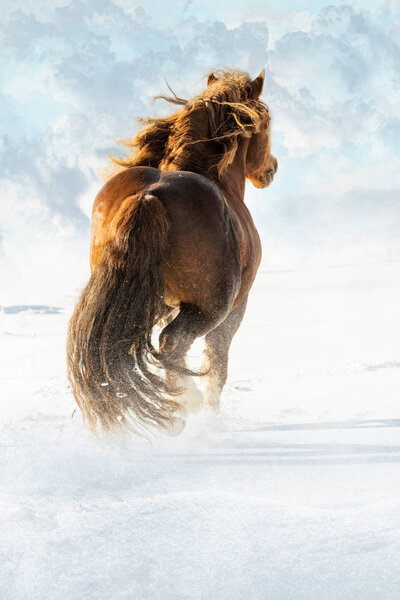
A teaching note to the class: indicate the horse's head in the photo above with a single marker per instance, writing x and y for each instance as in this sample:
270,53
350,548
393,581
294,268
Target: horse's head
261,165
246,117
223,133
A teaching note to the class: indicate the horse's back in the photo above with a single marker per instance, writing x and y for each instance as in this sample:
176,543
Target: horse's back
175,189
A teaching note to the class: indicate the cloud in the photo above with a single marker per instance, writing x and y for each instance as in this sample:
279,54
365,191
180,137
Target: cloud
335,83
75,75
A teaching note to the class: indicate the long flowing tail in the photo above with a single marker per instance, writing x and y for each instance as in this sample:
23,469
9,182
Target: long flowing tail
109,345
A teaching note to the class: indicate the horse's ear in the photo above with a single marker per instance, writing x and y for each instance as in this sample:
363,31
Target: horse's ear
257,86
211,78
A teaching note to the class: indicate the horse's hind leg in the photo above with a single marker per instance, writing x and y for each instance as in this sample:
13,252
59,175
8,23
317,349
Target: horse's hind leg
191,397
175,341
217,343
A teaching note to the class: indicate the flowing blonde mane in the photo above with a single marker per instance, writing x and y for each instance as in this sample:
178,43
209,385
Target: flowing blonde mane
203,135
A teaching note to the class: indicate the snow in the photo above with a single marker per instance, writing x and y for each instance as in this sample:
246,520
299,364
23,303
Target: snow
292,492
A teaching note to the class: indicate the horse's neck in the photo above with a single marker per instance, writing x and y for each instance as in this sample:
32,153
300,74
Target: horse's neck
186,149
232,183
198,157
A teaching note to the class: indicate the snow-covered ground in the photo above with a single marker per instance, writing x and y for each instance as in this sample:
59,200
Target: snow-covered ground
294,492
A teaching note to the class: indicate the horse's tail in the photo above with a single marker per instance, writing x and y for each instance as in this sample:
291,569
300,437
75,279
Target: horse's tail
109,336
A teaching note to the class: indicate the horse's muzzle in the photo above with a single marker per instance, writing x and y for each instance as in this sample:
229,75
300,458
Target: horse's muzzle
264,180
270,173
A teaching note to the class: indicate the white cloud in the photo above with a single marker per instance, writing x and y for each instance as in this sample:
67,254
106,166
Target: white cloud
336,83
76,74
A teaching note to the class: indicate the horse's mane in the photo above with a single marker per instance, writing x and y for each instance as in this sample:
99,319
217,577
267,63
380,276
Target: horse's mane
207,128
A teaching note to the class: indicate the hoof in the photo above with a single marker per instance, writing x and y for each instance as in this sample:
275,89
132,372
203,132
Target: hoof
212,394
176,427
192,401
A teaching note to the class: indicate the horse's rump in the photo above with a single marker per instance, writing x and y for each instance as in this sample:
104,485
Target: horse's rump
201,257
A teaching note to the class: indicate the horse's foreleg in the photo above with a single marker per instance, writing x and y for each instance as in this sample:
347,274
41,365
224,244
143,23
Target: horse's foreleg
217,343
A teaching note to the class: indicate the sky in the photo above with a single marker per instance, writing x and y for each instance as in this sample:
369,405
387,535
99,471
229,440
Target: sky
75,75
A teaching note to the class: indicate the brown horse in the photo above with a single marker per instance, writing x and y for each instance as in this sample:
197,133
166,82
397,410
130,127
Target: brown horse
174,244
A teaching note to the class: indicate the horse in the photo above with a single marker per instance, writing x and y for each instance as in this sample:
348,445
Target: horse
173,244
